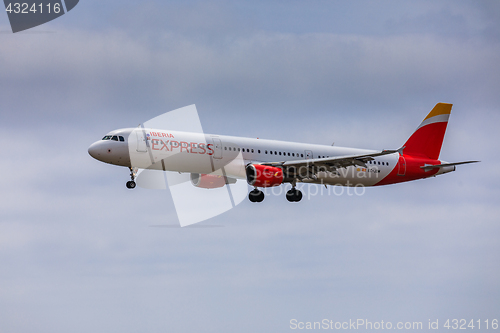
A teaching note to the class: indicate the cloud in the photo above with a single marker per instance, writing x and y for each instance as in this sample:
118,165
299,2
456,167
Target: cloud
112,73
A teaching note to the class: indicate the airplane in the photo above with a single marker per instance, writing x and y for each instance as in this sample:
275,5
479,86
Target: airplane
217,160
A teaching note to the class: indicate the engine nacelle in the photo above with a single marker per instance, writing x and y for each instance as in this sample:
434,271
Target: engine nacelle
210,181
263,175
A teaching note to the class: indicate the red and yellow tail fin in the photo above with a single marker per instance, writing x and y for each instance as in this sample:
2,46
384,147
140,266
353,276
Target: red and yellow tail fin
426,141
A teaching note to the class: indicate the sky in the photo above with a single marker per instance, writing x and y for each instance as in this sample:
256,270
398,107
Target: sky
80,252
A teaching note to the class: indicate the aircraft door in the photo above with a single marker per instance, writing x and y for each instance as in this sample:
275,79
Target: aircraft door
401,166
141,141
217,148
309,154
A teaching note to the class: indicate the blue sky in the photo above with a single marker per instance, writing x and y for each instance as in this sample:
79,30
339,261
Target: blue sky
79,252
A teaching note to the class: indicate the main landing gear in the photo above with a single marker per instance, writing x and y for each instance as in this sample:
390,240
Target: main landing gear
131,183
256,195
294,195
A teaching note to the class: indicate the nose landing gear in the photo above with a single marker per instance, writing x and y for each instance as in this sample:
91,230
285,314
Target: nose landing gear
131,183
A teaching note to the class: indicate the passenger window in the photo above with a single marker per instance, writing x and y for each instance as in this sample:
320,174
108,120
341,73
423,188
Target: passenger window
258,151
280,153
248,150
114,138
252,151
293,154
378,163
266,151
288,154
225,148
301,155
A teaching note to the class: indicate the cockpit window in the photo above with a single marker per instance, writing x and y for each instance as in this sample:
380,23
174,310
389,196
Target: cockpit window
114,138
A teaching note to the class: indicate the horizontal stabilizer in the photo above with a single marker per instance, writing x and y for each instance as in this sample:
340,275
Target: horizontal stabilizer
438,166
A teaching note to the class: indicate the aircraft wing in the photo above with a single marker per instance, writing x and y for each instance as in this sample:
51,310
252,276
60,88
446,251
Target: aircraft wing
298,168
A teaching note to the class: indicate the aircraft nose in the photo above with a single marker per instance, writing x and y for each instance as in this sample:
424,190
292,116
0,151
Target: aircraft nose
109,151
95,151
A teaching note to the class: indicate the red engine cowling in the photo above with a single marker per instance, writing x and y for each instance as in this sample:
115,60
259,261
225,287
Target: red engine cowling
263,175
207,181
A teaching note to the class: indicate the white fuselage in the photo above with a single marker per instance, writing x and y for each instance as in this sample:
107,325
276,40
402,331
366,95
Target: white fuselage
147,148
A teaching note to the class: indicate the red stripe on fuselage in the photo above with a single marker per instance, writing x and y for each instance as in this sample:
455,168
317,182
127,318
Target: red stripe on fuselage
412,171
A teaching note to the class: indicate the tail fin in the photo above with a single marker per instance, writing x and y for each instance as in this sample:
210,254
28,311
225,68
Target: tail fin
426,141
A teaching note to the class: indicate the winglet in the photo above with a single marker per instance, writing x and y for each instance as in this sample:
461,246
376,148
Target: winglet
400,150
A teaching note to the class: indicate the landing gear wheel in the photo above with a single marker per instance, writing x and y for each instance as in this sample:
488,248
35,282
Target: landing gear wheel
131,183
294,195
256,196
298,196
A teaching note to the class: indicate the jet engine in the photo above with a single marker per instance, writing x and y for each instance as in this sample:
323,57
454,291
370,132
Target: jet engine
264,176
210,181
